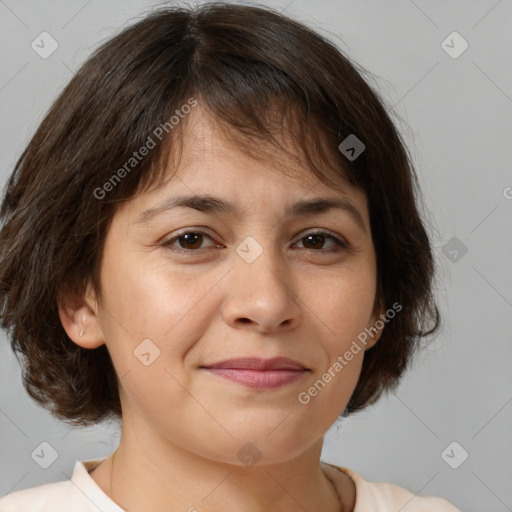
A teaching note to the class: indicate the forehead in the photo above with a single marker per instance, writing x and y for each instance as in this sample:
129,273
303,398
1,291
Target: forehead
209,151
212,168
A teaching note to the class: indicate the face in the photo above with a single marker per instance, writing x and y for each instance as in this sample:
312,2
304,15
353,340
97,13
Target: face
249,273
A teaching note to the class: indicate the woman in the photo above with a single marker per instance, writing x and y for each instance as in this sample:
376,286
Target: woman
213,238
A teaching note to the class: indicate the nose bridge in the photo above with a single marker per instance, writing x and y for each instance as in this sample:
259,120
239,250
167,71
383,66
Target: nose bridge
262,291
260,263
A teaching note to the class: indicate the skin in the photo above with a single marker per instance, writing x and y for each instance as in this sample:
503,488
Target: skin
183,426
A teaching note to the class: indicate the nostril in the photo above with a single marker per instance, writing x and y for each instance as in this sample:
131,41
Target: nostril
244,320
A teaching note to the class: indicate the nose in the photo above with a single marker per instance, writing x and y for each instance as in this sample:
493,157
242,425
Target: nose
261,295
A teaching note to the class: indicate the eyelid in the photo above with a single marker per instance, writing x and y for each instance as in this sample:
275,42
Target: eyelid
322,231
339,240
168,242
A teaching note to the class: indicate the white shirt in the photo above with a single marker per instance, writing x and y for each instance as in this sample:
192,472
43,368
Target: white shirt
82,494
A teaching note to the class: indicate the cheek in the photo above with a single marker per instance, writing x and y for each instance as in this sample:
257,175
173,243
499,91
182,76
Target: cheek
153,317
343,304
341,308
152,301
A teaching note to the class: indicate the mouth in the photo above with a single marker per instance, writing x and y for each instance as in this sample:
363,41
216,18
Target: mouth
259,373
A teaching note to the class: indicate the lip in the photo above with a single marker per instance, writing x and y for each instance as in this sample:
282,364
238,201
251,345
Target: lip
259,373
256,363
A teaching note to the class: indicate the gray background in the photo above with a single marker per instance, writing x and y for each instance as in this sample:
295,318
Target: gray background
455,114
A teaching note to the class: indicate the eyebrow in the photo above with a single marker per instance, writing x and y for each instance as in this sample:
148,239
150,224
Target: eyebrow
209,204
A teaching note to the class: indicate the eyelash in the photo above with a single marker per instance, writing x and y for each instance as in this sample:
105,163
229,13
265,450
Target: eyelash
341,245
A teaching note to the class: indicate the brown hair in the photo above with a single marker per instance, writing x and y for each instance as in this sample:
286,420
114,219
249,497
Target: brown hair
254,69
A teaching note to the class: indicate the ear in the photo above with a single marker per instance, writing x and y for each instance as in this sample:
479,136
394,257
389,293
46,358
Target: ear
376,325
80,319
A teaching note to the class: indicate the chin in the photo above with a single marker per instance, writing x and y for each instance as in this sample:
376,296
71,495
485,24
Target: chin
257,446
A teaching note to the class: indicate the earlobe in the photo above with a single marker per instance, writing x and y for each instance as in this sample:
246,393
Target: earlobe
376,327
80,321
374,336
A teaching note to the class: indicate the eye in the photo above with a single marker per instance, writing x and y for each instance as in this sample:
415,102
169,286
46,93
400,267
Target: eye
188,241
192,241
316,240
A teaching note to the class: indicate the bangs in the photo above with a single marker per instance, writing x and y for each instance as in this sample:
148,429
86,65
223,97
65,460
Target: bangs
273,133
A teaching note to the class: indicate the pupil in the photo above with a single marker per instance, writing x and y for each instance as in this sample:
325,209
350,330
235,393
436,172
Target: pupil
189,240
318,239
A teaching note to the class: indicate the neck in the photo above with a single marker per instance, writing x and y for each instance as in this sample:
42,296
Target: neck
138,478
